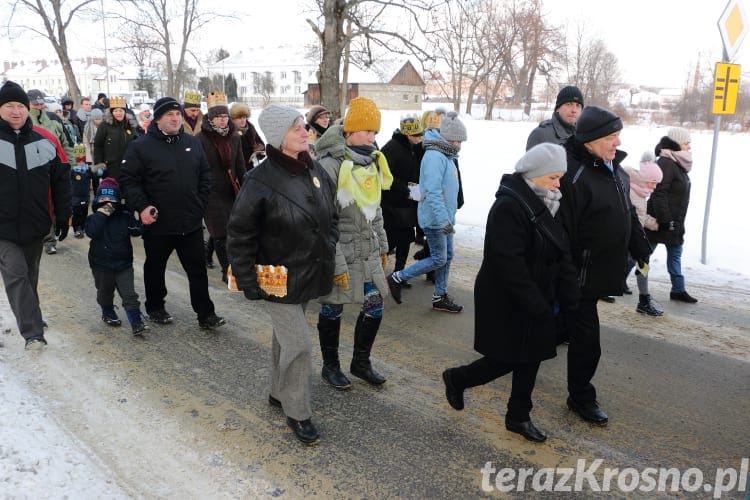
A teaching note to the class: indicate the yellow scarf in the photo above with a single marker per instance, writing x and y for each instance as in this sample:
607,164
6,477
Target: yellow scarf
362,184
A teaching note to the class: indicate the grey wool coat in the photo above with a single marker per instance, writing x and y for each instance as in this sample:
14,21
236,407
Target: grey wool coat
361,242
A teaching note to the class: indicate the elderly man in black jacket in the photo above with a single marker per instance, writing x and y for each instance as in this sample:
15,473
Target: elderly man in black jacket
30,171
603,227
167,180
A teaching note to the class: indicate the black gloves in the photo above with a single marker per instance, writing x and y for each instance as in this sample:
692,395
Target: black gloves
448,229
253,294
61,229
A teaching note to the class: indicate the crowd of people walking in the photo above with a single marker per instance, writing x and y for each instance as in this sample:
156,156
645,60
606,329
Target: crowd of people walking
312,214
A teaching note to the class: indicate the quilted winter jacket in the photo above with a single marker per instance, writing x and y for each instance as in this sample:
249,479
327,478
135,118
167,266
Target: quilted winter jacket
360,242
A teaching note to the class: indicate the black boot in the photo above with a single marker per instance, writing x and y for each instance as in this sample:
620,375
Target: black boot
220,247
328,333
364,337
208,247
646,305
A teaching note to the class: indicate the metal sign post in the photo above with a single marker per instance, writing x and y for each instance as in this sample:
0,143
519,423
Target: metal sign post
733,28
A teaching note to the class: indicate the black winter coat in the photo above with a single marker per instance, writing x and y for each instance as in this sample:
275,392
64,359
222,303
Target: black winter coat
34,184
110,142
600,221
285,215
171,173
110,249
669,201
525,268
221,198
404,159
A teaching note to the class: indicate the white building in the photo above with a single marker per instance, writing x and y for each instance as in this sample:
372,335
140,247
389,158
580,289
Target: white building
91,75
284,65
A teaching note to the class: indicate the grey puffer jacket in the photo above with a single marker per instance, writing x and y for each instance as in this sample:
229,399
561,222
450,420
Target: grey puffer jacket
361,242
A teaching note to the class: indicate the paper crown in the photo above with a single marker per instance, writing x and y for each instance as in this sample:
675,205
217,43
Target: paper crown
216,98
79,151
411,125
117,102
192,97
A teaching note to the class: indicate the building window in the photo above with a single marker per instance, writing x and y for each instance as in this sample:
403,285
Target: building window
243,91
243,76
297,77
282,75
416,98
406,97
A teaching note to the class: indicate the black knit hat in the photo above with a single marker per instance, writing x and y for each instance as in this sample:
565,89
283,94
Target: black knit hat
165,104
595,123
569,94
12,92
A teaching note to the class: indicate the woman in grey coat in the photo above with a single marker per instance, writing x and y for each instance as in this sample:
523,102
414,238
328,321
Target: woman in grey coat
360,171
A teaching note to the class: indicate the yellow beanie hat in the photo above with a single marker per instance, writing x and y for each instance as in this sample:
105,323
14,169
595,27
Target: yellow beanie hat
430,119
363,114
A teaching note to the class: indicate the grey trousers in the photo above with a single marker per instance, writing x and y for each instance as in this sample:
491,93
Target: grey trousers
19,266
291,359
124,282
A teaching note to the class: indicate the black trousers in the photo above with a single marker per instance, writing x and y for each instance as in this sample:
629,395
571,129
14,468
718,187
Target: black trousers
584,350
486,370
80,212
190,251
399,239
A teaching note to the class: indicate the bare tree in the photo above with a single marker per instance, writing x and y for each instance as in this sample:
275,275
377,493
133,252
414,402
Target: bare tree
536,46
154,20
453,43
51,19
592,68
358,28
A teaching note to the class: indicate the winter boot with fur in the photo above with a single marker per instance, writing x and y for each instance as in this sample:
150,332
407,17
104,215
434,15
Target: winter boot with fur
328,333
135,318
647,305
364,337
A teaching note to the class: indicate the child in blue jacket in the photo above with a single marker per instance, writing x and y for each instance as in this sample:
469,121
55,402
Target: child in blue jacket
111,255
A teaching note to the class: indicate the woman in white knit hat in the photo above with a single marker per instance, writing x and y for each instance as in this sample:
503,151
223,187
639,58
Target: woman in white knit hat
525,269
281,242
669,203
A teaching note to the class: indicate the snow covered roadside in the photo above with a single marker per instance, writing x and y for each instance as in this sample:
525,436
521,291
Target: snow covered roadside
38,458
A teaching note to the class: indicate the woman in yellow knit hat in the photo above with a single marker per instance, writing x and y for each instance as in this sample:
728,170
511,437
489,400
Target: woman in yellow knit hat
348,154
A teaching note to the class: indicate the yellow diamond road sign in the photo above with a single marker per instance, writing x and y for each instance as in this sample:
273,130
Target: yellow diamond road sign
726,88
733,26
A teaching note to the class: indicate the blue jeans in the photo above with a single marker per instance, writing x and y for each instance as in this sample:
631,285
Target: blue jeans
441,255
674,267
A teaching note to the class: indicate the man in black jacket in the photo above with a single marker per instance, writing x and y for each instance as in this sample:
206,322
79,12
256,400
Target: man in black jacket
167,180
603,227
30,171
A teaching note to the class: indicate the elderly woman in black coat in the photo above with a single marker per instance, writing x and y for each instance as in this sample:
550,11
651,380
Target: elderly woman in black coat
282,238
526,268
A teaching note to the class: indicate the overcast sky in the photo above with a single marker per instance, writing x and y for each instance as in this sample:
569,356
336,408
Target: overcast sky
657,42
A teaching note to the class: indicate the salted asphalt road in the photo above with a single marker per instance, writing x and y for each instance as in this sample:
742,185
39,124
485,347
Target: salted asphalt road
669,406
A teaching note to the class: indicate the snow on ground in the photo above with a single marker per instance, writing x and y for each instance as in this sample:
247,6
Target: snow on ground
33,445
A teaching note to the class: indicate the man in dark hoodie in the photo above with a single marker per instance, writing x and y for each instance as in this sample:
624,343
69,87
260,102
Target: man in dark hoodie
603,228
34,189
167,180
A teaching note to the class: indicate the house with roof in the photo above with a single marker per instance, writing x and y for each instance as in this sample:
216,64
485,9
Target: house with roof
391,84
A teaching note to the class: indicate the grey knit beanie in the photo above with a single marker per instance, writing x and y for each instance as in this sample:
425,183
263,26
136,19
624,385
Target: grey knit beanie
543,159
451,128
275,121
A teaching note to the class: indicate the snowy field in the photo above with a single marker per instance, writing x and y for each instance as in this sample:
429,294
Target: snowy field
33,446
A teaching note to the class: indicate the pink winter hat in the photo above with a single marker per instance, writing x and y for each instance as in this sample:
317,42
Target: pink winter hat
649,170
